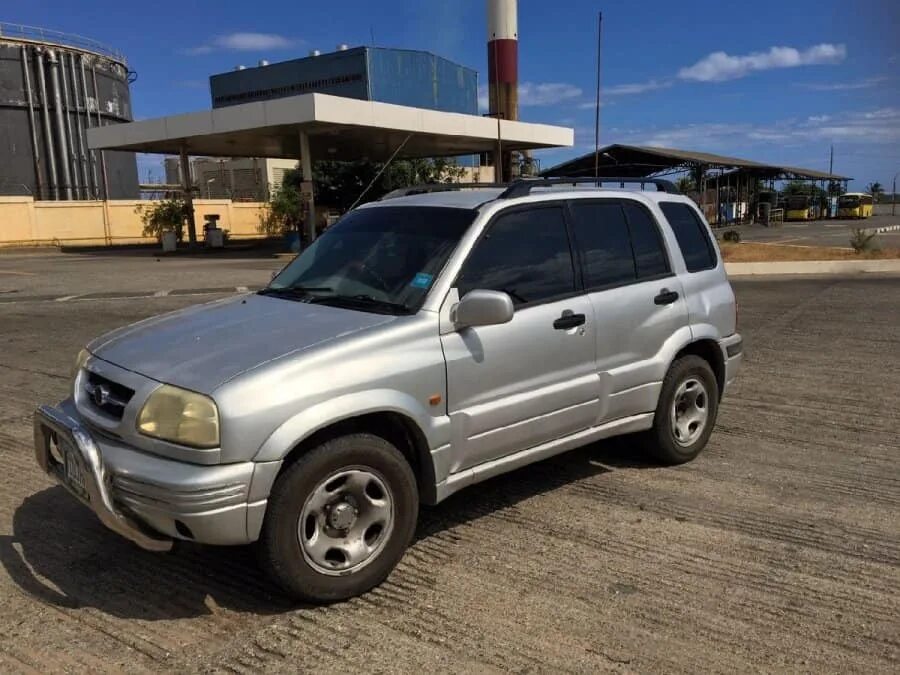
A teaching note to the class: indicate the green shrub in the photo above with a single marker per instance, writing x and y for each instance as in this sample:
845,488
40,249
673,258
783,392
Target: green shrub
163,216
863,240
733,236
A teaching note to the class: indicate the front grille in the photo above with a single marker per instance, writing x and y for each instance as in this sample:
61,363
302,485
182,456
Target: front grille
107,396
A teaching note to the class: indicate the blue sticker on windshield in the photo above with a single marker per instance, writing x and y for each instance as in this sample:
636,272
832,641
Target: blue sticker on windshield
421,280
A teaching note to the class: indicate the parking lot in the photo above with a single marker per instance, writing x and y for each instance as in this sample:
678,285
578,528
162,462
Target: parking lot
824,232
777,549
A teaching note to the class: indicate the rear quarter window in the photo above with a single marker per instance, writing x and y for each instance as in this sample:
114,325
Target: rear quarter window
693,238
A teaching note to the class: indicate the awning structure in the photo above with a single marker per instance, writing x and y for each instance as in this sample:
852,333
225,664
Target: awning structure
337,128
641,161
312,127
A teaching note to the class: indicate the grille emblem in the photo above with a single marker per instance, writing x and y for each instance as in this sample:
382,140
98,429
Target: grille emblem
100,395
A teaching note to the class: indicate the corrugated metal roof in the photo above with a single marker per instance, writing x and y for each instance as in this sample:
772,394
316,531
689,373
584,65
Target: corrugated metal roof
645,160
693,156
812,173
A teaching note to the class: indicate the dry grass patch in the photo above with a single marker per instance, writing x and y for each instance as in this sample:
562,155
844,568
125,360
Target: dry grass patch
755,252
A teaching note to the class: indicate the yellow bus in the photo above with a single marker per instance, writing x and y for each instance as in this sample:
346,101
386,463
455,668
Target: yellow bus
798,207
855,205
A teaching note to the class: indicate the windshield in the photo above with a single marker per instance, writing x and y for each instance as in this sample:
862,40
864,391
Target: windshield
848,201
381,259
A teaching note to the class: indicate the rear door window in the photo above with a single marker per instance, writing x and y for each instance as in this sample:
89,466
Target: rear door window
525,254
646,241
601,231
692,236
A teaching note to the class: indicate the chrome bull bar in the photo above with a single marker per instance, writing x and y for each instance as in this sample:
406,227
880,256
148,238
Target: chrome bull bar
49,421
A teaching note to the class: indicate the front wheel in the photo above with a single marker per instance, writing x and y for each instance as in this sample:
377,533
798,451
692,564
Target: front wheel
339,519
686,411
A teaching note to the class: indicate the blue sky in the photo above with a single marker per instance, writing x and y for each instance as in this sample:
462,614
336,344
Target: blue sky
772,81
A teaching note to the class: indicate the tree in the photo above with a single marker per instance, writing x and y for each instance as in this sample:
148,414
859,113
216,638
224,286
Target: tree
874,189
835,188
340,184
685,185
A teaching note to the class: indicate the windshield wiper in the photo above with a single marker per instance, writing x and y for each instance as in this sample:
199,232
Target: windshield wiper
363,300
294,292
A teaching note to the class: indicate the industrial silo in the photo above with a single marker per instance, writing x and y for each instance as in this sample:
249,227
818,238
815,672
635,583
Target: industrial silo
53,87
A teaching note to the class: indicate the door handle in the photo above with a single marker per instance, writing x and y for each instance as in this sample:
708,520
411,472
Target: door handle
666,297
569,320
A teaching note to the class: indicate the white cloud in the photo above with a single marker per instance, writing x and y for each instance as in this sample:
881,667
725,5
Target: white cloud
243,42
846,86
719,66
483,101
880,126
547,93
253,41
536,94
883,114
636,87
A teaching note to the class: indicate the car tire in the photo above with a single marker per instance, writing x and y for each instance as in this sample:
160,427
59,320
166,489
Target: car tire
320,539
686,412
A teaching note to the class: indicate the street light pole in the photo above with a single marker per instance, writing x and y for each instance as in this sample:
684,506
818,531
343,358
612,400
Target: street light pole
894,193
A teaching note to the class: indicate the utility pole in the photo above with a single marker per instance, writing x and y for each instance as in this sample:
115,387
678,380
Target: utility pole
597,106
894,193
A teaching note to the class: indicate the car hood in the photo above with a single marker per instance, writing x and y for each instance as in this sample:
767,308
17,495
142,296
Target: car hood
204,346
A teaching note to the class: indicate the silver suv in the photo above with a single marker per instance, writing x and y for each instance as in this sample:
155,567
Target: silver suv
422,344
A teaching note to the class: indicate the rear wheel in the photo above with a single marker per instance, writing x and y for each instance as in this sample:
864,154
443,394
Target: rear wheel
339,519
686,411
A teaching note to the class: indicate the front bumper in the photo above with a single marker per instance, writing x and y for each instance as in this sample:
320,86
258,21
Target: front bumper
733,354
149,499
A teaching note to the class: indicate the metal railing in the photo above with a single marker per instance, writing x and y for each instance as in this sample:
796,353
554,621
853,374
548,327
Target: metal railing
19,31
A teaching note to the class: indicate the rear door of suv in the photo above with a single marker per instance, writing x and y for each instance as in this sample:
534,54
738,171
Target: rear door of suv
637,300
709,296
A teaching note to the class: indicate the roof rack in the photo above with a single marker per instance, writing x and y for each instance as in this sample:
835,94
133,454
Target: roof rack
524,186
439,187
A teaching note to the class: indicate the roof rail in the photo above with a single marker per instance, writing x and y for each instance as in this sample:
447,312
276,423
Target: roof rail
524,186
438,187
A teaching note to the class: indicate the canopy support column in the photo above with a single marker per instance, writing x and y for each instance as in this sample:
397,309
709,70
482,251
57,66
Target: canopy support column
188,191
307,191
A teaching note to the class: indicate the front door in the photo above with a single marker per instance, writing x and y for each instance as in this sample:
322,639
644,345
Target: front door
516,385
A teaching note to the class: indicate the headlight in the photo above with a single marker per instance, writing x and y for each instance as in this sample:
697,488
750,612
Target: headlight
80,360
180,416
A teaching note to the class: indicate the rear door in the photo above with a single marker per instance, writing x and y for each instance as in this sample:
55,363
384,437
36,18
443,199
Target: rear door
516,385
710,298
637,300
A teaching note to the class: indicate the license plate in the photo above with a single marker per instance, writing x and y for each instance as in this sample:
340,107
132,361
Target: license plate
72,470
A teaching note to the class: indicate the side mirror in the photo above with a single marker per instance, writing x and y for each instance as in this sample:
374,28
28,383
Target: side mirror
482,308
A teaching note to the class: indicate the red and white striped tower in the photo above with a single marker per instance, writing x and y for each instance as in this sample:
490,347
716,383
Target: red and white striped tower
503,64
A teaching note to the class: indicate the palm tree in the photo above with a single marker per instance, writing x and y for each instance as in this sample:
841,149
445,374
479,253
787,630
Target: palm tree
874,189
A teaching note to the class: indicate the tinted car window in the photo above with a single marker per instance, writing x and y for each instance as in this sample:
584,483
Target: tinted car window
375,257
649,254
602,235
525,254
691,235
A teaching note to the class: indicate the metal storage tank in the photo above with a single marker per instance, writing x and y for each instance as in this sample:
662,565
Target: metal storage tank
53,87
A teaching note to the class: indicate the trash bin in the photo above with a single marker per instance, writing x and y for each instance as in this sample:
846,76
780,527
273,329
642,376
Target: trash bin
215,237
292,240
169,241
765,213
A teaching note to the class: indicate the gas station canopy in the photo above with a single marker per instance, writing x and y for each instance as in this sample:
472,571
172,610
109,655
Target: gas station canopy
337,128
